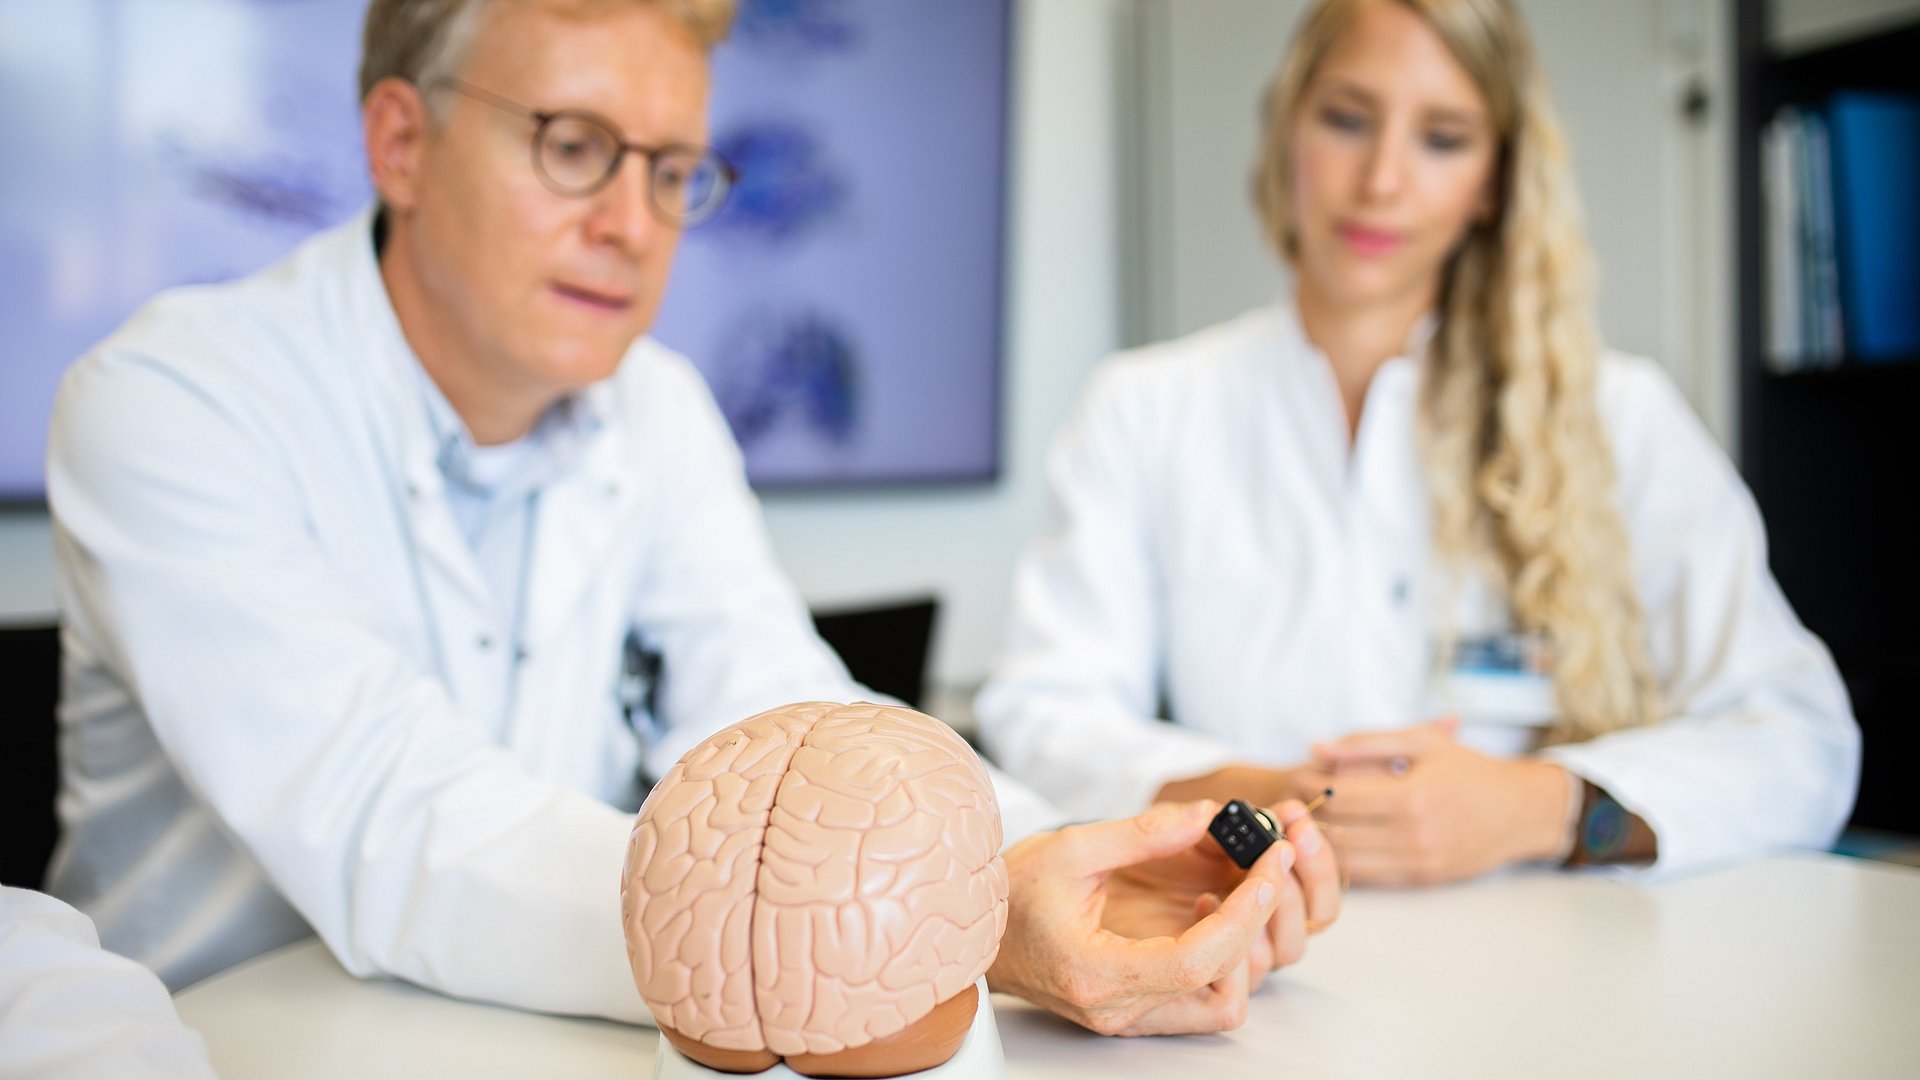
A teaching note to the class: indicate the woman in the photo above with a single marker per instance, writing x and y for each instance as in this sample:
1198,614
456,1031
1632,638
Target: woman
1411,535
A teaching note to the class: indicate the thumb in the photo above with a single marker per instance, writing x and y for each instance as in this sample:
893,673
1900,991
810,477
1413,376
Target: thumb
1104,846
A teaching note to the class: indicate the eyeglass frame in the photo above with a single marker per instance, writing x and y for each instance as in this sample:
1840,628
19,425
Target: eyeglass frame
648,154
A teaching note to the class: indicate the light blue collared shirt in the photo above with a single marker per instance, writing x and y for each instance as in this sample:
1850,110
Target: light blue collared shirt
493,492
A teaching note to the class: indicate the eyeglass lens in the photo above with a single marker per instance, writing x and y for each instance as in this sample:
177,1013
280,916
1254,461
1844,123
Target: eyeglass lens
578,155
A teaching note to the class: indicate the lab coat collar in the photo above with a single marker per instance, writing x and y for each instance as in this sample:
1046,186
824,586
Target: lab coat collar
588,496
1293,333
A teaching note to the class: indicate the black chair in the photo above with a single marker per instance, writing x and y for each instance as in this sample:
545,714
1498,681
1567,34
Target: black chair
884,646
29,769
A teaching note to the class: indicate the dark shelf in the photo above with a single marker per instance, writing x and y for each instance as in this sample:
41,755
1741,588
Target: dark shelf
1886,53
1863,371
1831,453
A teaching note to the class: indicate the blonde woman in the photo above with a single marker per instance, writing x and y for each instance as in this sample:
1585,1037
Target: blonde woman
1410,533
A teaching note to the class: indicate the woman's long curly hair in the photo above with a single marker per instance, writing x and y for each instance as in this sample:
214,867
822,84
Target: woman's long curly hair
1517,464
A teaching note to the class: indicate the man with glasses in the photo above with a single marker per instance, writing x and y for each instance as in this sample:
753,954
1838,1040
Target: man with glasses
364,563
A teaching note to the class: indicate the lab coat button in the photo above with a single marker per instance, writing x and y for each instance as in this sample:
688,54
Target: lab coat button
483,641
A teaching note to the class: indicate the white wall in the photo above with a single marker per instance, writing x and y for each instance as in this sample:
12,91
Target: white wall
1063,294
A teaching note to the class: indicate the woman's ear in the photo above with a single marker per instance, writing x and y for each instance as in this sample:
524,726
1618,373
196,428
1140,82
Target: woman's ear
394,121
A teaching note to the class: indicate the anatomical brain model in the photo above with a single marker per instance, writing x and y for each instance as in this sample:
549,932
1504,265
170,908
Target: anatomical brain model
819,884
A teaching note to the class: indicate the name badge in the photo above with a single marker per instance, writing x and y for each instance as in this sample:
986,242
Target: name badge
1500,680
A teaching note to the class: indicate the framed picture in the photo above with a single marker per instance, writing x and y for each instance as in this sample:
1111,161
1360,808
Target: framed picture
152,145
845,306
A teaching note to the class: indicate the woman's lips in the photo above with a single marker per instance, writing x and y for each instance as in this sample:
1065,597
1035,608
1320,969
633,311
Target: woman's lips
609,303
1370,242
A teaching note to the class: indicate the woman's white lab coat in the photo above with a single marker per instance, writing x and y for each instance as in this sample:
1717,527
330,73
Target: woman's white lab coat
1219,549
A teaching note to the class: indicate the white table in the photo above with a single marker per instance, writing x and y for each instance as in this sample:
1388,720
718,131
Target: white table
1796,966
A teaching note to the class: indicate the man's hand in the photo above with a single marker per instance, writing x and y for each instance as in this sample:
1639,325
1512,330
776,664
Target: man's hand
1059,954
1164,896
1417,808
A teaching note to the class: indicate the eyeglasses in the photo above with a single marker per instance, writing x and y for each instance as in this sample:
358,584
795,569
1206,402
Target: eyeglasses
577,153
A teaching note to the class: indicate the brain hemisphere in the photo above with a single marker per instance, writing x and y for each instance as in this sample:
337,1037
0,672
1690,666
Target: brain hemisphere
815,878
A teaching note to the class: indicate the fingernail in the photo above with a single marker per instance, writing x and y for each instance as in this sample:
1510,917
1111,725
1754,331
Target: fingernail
1309,839
1266,893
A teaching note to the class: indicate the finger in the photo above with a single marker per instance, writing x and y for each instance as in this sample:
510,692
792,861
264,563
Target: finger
1259,956
1218,1006
1381,868
1383,746
1317,869
1225,937
1104,846
1288,927
1367,799
1375,838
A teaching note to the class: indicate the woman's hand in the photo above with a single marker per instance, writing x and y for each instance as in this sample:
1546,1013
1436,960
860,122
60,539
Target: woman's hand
1159,969
1414,807
1260,785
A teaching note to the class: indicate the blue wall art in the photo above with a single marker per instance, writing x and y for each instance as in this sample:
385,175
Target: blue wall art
846,305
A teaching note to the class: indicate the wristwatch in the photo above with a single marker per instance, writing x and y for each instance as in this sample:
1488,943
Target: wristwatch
1607,832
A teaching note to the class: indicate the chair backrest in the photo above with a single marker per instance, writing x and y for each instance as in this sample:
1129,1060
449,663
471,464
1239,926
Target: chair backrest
29,768
885,646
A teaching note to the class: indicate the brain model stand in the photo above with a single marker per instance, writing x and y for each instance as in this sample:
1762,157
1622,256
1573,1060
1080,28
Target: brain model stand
818,891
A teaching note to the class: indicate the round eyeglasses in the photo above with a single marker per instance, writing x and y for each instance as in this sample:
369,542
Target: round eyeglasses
577,153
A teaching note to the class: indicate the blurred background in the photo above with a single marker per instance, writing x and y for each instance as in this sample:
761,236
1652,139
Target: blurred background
1095,156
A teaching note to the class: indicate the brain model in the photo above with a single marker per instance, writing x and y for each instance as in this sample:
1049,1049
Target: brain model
819,884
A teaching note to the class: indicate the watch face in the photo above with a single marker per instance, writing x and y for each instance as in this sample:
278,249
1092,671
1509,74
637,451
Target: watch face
1604,828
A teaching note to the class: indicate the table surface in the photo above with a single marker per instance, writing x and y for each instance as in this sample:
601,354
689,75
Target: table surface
1791,966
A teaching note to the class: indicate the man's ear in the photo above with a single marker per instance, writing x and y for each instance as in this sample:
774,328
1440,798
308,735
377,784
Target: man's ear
393,118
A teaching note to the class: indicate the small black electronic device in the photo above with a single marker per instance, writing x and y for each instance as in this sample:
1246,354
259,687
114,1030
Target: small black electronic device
1244,831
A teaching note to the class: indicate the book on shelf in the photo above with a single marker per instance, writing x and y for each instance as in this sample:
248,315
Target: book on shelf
1805,326
1876,170
1841,196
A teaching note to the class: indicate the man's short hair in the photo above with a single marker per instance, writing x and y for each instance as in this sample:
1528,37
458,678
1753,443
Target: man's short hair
425,41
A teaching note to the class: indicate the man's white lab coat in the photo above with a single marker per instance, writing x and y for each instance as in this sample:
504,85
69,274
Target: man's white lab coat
1221,546
285,700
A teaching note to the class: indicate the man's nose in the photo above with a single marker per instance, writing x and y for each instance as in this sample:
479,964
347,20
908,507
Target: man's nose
623,210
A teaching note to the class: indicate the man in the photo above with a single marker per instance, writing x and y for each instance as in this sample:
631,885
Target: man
360,561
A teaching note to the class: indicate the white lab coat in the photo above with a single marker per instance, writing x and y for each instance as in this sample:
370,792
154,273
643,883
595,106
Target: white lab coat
284,702
1221,546
70,1009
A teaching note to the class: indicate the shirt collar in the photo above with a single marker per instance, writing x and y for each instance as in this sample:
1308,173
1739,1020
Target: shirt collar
556,441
